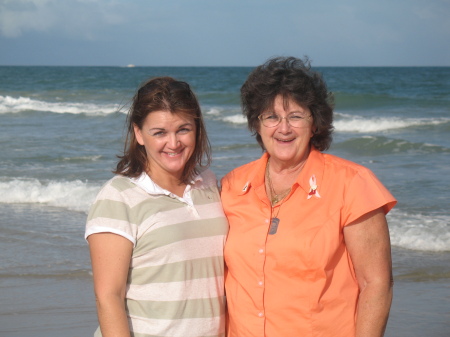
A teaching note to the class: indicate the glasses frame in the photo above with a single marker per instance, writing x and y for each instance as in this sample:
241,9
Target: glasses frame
281,118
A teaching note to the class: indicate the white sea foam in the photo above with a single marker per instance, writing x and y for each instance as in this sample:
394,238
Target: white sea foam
419,232
10,104
235,119
352,123
213,111
73,195
361,124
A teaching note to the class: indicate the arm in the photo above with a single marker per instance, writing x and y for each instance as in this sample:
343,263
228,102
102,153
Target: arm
368,243
110,257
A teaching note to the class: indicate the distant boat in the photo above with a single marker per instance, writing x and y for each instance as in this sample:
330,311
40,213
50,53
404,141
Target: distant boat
130,66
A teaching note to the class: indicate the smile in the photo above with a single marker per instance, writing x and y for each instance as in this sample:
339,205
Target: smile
172,154
284,140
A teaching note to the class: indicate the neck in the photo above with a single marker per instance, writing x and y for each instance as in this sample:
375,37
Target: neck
169,182
286,168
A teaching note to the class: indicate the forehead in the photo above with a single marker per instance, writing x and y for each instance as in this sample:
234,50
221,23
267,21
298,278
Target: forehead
287,104
167,118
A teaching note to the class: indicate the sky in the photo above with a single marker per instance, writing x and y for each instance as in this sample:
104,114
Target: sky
224,32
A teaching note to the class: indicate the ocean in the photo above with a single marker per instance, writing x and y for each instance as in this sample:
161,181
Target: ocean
62,127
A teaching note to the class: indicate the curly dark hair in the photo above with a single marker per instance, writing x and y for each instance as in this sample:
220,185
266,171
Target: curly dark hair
163,94
293,79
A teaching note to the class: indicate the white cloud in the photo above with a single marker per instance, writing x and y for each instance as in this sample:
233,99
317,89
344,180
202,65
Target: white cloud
82,18
17,16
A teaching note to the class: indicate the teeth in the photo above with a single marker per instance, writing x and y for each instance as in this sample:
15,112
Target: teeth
172,154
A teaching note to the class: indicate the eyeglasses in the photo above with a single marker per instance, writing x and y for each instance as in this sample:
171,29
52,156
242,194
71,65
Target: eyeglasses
294,119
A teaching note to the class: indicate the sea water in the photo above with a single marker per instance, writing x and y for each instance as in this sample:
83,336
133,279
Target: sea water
62,127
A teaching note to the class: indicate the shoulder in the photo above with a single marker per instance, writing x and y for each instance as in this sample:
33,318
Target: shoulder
240,175
208,177
121,183
118,188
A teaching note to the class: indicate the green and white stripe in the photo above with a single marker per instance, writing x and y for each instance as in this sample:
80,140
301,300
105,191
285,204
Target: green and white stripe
175,283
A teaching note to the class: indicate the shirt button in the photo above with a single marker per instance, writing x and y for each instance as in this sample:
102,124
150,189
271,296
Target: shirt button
261,251
261,314
267,220
260,283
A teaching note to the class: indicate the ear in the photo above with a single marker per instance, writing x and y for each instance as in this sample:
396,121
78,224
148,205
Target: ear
313,131
138,134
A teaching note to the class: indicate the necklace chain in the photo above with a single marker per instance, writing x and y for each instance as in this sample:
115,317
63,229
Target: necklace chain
275,198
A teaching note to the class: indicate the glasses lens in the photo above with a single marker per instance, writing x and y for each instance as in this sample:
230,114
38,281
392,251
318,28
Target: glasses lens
270,119
295,119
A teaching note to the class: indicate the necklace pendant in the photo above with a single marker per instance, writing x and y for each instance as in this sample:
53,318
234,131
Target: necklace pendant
274,226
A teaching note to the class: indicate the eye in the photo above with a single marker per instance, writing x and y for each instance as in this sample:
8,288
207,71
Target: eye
184,130
270,116
159,133
297,116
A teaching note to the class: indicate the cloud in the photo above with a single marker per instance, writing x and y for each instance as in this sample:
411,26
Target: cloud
77,18
17,16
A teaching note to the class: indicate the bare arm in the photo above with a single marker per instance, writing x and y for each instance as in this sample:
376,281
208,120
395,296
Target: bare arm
368,243
110,257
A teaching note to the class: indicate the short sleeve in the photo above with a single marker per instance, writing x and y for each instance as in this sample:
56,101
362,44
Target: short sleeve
363,194
110,213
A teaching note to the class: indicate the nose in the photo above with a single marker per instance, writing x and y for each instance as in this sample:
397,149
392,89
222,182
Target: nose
284,124
173,141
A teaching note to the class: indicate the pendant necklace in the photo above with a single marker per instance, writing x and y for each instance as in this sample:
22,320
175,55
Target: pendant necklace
274,199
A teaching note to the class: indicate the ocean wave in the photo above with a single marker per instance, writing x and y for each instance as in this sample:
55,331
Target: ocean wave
227,114
80,159
72,195
10,104
344,122
213,111
371,145
235,119
359,124
419,232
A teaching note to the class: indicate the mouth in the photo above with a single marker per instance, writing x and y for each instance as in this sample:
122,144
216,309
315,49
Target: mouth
284,140
173,154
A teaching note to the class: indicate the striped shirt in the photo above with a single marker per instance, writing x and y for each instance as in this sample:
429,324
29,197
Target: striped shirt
175,282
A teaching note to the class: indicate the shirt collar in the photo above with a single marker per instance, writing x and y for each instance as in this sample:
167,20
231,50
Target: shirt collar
256,177
314,166
148,185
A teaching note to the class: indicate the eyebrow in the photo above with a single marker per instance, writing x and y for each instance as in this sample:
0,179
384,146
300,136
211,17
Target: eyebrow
289,112
181,126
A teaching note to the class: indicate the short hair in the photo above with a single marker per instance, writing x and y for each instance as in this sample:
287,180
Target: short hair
293,79
163,94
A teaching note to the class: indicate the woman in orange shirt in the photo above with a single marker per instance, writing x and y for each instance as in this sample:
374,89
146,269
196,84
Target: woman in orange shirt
308,251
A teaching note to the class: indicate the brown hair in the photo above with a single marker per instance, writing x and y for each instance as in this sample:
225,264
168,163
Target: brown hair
163,94
293,79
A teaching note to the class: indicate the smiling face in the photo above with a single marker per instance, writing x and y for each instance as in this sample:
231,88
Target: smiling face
285,144
169,141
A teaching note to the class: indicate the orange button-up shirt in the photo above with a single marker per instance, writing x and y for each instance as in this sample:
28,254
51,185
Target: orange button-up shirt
299,281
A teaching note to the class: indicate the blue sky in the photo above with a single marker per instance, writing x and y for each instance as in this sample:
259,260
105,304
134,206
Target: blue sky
224,33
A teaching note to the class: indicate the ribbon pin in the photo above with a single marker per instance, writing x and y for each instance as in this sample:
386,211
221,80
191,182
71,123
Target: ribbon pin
245,187
313,187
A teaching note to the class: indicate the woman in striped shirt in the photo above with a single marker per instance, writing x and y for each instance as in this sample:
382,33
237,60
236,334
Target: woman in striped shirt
156,230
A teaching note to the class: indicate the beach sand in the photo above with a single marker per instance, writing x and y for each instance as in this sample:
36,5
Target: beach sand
51,308
46,285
